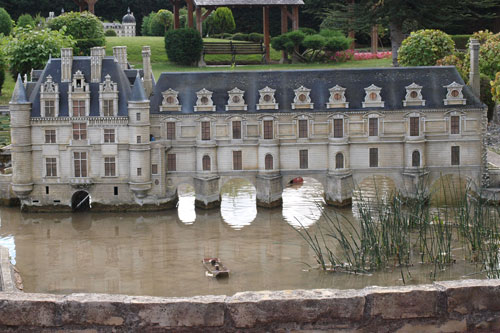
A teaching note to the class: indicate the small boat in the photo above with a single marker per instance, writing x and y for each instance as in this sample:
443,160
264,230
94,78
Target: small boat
297,180
215,267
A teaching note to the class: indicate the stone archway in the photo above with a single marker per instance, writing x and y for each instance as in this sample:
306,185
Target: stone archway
80,201
238,202
449,189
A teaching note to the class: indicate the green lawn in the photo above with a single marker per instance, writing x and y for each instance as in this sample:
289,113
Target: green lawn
7,89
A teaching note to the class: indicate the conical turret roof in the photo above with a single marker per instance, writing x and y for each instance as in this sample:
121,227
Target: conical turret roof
19,95
138,93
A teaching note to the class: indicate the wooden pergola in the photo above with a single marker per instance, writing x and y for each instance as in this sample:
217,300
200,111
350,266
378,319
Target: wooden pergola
211,5
82,3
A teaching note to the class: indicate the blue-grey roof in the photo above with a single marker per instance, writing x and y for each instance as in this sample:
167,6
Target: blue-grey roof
109,66
19,94
138,93
392,81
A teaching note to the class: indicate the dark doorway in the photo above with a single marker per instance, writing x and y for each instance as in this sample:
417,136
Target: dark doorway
80,201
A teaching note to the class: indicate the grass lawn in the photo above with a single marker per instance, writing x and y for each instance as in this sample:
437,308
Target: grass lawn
7,89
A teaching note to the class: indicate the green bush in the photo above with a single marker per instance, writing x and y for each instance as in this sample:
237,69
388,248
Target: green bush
146,24
183,46
227,35
222,20
26,49
297,37
256,37
84,27
282,43
25,20
495,88
458,60
460,41
2,70
489,56
308,31
110,33
162,21
5,22
314,42
240,36
486,95
425,48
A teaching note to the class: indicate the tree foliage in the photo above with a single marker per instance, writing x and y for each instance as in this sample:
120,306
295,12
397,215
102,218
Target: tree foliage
85,28
425,48
5,22
183,46
3,66
222,21
495,88
30,49
25,20
161,22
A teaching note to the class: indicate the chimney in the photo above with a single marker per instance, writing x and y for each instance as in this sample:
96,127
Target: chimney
120,54
66,64
96,56
146,65
474,67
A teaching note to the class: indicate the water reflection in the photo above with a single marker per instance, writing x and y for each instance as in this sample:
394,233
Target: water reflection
185,206
303,203
238,203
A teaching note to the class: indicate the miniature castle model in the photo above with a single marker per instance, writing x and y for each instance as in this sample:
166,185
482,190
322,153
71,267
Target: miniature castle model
91,131
126,29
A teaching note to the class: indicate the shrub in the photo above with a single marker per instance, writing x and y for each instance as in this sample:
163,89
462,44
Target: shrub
297,37
282,43
162,21
227,35
240,36
460,41
5,22
110,33
425,47
495,88
314,42
482,36
27,50
456,59
222,20
256,37
2,70
489,56
335,40
183,46
25,20
146,24
84,27
486,95
308,31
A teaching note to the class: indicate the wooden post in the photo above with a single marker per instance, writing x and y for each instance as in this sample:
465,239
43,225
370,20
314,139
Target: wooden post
295,14
177,23
375,39
267,37
91,4
190,13
199,25
284,30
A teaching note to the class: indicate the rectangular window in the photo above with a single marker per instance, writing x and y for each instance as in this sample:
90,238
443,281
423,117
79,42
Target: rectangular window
139,139
78,108
205,130
154,169
338,128
455,125
50,108
51,166
455,155
236,129
414,126
50,136
373,157
171,130
303,128
115,190
109,135
268,129
171,162
109,167
139,171
108,108
80,161
79,131
47,191
373,126
138,116
237,160
304,159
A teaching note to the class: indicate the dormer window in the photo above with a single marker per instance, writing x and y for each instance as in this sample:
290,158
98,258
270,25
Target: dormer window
108,98
79,96
49,98
372,97
414,95
302,99
455,95
204,101
170,101
267,100
236,100
337,98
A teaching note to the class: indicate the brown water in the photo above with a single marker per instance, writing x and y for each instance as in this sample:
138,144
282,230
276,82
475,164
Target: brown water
160,253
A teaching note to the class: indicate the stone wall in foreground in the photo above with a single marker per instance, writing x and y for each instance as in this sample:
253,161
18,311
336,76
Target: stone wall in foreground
470,305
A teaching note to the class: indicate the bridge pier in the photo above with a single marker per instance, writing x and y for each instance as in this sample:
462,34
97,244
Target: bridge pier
339,187
416,183
207,192
269,190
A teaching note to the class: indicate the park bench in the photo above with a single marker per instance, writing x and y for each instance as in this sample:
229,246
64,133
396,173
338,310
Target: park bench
234,49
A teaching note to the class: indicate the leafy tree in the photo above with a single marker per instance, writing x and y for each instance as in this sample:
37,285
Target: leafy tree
183,46
222,21
25,20
425,47
5,22
30,49
146,24
161,22
84,27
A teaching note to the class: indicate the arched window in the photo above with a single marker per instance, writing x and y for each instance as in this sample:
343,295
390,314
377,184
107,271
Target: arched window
206,163
339,161
415,159
269,162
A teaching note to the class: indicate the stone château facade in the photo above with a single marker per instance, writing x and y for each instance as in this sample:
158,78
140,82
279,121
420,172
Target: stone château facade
125,29
91,127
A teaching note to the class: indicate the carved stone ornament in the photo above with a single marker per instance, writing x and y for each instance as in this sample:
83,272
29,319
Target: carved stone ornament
414,95
337,98
236,101
79,85
373,98
455,95
49,98
204,101
50,86
170,100
108,86
267,100
302,99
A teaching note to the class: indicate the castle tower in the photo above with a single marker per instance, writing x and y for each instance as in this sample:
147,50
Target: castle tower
140,149
129,23
20,114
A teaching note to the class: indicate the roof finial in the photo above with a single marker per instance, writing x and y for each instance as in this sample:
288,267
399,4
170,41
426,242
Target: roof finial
128,10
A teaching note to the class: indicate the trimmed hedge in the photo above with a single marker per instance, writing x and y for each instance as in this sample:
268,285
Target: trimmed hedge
110,33
183,46
240,36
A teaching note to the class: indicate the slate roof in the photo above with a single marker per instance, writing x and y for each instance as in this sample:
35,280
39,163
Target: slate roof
392,81
109,66
207,3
